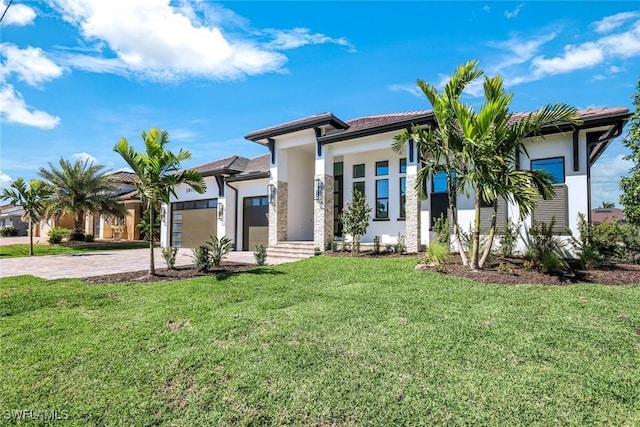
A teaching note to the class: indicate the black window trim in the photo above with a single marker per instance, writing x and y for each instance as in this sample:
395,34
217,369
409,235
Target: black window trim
382,198
564,168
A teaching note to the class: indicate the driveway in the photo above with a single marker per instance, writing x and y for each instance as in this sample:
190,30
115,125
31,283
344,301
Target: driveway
98,263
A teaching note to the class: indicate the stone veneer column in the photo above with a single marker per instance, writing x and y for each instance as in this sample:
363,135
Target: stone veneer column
323,214
412,215
278,215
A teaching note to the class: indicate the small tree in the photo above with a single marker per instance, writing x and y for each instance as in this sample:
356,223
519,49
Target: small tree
31,198
355,219
630,185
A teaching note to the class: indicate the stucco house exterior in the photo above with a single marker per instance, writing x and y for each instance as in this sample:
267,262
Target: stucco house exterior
315,163
11,216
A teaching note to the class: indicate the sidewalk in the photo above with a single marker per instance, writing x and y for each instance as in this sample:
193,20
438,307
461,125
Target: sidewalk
97,263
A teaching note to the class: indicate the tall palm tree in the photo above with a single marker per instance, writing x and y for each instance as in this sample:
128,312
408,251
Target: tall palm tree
493,138
80,187
158,172
440,148
31,198
608,205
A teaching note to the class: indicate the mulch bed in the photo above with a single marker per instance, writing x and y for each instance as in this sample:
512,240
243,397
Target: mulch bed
616,274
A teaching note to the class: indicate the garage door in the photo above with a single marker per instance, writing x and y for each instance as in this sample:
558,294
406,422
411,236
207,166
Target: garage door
193,223
256,222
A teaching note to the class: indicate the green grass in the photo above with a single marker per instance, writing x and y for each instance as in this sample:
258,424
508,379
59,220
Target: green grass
328,341
22,249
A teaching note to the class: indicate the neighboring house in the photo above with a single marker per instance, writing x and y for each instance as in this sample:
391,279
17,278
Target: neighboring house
600,215
295,194
235,205
11,216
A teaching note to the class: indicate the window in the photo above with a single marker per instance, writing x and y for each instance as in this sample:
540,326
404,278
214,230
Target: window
403,165
195,204
555,166
382,199
177,235
358,186
177,226
403,197
382,168
256,201
439,183
358,171
177,217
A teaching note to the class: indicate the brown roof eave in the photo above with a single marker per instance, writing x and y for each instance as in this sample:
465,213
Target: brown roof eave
374,130
588,123
260,136
248,176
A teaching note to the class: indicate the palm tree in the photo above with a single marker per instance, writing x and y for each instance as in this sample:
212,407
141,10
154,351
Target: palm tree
493,138
608,205
31,199
158,172
79,188
440,148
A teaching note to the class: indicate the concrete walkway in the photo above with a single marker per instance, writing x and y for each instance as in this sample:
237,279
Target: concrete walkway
98,263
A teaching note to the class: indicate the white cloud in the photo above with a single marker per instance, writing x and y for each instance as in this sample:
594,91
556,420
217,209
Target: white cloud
520,50
486,8
413,90
513,13
5,180
605,179
575,57
13,109
612,22
297,37
84,157
30,64
182,135
17,14
137,40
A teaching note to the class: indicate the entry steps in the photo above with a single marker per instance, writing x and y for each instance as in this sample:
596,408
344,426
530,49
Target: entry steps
292,251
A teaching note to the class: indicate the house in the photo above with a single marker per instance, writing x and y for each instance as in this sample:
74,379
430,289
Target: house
600,215
315,163
11,216
234,204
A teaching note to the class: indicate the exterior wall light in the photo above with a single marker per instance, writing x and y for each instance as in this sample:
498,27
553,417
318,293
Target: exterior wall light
318,189
271,194
220,211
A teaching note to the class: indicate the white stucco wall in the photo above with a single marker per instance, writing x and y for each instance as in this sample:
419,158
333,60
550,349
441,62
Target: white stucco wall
300,174
253,188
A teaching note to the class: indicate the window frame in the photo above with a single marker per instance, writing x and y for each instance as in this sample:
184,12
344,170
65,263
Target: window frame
562,162
364,170
378,198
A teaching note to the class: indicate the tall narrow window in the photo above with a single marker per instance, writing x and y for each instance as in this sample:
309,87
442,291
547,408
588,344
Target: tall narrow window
403,188
359,174
382,190
382,199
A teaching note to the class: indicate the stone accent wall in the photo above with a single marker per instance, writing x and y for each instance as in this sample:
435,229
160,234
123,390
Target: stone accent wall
413,216
323,214
278,215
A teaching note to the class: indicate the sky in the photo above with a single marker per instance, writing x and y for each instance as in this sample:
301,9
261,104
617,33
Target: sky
78,75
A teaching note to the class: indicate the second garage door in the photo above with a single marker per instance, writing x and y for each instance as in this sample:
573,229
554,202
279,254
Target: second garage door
255,221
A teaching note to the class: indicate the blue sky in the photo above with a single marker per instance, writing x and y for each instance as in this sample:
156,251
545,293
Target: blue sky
77,75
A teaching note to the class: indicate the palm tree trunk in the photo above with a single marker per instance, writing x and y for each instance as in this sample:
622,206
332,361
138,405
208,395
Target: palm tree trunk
152,265
30,237
475,251
492,233
456,234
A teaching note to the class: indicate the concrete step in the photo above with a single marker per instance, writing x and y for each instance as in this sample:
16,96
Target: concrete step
292,250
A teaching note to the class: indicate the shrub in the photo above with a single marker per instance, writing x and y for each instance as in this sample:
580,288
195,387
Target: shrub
260,254
356,219
89,238
506,268
441,228
402,245
218,248
201,257
8,231
437,255
169,254
56,234
509,237
376,245
546,247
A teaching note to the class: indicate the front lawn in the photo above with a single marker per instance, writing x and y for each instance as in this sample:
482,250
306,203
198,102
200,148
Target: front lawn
22,249
327,341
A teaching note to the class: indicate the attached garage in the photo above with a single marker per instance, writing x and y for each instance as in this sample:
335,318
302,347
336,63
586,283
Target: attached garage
255,222
193,223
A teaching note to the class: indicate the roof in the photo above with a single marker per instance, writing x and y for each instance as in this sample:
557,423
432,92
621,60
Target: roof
309,122
125,177
380,123
227,165
257,167
600,215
